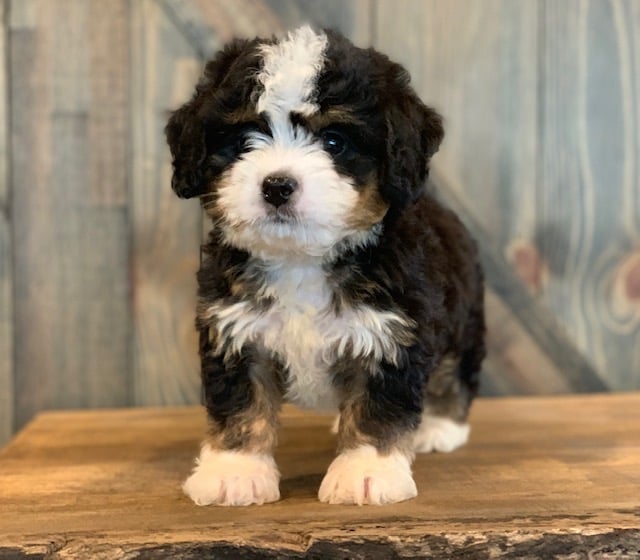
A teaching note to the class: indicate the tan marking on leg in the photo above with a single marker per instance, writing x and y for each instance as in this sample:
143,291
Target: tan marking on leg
445,395
255,429
351,437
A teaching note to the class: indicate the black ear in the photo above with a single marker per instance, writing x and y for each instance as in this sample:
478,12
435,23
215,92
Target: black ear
414,134
185,136
185,130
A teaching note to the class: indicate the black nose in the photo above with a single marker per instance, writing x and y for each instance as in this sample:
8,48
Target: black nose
276,189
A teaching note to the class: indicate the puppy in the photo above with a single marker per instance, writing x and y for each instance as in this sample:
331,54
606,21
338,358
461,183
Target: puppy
331,278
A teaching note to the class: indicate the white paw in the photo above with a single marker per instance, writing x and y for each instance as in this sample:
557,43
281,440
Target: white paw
362,476
232,478
440,434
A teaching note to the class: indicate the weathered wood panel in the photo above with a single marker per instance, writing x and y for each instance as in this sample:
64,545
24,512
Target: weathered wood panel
210,23
476,62
166,231
563,479
543,136
588,227
353,18
528,352
6,248
108,121
70,239
28,139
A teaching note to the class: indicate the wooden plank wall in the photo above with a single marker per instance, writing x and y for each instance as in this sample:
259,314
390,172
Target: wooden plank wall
97,256
476,63
165,233
6,256
543,136
69,106
588,225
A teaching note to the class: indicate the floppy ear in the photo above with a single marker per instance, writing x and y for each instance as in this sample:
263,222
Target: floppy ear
414,133
185,130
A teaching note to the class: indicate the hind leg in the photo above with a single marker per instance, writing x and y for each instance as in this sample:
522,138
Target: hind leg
450,389
444,425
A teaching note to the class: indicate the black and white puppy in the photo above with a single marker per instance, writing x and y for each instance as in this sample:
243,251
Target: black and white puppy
331,278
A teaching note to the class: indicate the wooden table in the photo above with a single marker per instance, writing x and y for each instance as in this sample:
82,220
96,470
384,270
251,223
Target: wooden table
541,477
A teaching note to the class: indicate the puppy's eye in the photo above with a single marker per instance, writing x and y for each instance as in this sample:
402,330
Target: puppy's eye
333,142
230,141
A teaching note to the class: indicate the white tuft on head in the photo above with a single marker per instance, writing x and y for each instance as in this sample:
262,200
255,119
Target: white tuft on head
290,69
318,217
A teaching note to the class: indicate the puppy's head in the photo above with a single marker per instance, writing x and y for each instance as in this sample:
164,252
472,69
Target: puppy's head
301,145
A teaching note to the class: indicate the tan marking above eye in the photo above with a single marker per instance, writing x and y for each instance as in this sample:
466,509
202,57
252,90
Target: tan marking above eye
332,116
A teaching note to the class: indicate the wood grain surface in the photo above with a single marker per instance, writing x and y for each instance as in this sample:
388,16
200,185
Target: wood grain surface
540,476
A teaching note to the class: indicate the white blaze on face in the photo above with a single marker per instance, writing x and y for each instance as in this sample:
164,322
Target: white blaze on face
324,199
289,73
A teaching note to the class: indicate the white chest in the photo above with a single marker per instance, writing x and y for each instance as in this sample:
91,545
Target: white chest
303,331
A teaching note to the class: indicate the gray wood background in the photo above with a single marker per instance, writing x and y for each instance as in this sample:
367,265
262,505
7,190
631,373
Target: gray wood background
97,256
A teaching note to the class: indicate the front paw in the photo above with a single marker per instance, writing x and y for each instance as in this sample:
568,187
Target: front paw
232,478
363,476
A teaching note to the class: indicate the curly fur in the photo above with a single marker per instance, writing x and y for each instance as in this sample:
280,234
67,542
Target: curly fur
361,290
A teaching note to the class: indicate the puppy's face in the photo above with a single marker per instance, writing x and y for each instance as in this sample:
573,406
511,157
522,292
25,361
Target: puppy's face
302,145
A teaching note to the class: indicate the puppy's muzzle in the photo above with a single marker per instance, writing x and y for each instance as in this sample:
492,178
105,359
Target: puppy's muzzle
277,189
